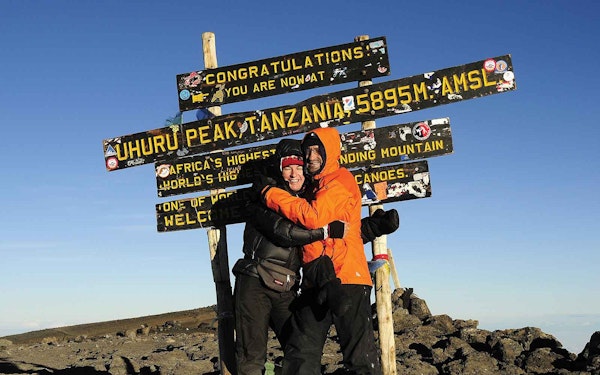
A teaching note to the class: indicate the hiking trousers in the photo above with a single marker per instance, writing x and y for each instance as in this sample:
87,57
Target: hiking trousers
256,309
310,324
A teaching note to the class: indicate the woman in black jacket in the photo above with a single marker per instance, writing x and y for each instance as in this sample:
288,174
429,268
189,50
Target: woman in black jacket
271,238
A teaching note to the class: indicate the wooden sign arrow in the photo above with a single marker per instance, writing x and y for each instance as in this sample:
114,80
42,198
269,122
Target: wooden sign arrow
383,145
391,183
299,71
477,79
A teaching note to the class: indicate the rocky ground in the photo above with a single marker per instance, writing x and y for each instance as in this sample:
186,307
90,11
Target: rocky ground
186,343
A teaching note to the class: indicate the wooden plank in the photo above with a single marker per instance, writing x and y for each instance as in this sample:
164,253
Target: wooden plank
215,170
398,182
381,278
473,80
217,244
385,145
278,75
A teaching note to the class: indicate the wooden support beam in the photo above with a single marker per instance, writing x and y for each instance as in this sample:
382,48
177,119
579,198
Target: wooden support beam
217,243
383,294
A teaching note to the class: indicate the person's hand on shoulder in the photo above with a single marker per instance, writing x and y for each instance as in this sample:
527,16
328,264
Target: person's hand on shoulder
262,184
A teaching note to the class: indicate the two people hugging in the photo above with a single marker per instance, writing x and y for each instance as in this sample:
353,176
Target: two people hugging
307,216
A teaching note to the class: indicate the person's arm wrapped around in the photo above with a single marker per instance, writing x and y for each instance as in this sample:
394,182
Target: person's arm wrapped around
329,204
262,184
337,198
283,232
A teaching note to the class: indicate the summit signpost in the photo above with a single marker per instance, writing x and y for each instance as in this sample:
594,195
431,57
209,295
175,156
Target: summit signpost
386,162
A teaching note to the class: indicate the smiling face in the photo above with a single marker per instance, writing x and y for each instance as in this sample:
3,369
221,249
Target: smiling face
314,160
294,176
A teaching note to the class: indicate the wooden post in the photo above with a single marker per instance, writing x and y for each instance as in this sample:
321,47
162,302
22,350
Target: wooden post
393,270
217,243
383,294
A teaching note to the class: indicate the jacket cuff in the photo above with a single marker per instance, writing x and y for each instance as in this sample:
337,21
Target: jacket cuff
263,193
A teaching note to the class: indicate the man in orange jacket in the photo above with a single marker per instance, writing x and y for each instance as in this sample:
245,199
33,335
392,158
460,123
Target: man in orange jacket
334,196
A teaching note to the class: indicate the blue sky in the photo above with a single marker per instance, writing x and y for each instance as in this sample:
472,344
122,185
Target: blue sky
510,236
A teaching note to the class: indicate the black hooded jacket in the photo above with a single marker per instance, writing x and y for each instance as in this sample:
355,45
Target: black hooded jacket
273,237
268,235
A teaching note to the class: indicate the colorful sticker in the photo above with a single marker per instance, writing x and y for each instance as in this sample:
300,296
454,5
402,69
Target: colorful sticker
489,65
502,86
508,76
501,66
112,163
380,189
184,95
421,131
110,151
348,103
163,170
369,196
376,44
193,80
242,127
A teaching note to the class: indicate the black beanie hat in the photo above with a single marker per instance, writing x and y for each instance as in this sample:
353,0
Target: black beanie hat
285,148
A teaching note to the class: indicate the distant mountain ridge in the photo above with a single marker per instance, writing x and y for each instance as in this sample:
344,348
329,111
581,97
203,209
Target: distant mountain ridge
187,319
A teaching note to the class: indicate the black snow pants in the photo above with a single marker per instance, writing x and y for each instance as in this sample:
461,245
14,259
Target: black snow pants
256,309
310,324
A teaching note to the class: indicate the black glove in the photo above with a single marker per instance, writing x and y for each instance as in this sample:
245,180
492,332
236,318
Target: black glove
334,296
335,229
389,220
318,272
381,222
262,183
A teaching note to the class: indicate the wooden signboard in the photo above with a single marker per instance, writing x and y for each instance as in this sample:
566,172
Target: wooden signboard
391,183
215,170
384,145
477,79
278,75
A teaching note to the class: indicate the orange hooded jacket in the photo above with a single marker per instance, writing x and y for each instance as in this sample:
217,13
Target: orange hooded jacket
336,197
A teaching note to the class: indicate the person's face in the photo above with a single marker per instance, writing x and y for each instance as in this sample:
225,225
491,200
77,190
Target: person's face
294,176
313,159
